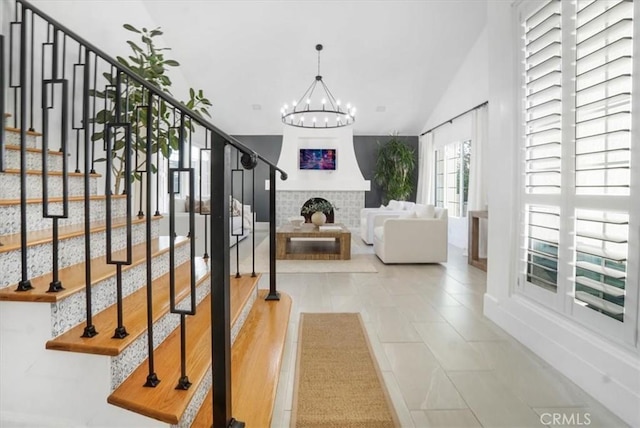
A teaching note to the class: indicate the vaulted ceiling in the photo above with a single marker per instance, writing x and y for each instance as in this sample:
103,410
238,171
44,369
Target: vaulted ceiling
391,59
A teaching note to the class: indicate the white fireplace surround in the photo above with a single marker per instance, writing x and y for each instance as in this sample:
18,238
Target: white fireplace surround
344,187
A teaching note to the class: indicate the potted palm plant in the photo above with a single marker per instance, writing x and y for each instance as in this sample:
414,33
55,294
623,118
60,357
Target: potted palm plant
394,169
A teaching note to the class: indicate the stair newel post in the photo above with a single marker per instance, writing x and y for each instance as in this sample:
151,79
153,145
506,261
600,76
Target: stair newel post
152,377
273,293
25,283
220,165
89,329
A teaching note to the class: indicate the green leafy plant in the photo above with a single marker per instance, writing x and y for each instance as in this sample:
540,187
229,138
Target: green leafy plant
394,169
318,205
151,63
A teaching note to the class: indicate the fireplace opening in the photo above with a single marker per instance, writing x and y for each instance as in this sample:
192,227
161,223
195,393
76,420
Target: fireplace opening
307,217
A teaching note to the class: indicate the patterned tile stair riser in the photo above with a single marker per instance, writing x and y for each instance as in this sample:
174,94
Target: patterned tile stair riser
13,139
34,160
10,214
71,311
71,252
10,188
125,363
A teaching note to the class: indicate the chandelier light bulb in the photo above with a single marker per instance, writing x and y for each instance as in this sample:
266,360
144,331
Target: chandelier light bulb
308,100
286,107
353,111
294,103
302,119
314,120
326,119
338,102
348,106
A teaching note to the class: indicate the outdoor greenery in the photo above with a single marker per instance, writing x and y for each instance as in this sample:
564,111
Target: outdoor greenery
151,63
394,170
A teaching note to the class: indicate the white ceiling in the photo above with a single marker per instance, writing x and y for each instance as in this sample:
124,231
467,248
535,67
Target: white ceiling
396,54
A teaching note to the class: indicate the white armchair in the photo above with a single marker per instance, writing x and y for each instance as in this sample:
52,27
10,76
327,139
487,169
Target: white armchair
368,217
412,239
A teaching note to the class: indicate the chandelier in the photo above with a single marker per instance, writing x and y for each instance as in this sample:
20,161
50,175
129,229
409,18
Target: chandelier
317,107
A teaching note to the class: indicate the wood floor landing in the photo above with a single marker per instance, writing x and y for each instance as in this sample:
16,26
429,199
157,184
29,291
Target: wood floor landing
256,358
134,315
164,402
12,242
73,277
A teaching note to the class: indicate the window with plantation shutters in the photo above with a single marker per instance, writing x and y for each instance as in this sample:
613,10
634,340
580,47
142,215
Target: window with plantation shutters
542,246
603,96
577,159
543,101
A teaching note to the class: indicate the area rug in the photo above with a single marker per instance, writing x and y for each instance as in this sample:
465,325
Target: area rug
338,382
361,261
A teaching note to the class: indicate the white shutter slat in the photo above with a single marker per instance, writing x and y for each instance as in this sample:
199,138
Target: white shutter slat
599,286
599,303
613,273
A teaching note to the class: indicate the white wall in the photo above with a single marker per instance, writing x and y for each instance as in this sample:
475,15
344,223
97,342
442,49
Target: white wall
468,88
606,370
347,175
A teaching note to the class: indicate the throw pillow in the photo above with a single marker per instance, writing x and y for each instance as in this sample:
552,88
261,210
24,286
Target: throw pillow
408,205
394,205
424,211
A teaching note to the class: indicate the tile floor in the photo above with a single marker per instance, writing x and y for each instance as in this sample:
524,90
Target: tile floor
443,362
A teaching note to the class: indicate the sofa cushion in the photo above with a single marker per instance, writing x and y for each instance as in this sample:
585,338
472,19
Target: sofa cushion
378,232
424,211
407,205
205,209
408,214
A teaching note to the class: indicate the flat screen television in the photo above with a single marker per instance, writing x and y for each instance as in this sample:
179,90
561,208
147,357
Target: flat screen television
320,159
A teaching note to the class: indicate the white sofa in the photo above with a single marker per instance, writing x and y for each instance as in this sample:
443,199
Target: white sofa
239,226
369,215
412,238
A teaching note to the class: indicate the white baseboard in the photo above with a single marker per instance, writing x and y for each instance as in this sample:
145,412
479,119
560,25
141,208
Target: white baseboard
574,351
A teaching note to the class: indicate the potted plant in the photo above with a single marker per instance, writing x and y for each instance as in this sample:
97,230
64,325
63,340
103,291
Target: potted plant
150,63
318,208
394,169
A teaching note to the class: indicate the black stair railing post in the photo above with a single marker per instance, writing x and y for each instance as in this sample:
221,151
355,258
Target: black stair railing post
253,224
25,283
273,293
220,167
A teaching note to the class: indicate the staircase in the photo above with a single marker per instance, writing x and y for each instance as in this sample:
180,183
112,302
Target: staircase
106,319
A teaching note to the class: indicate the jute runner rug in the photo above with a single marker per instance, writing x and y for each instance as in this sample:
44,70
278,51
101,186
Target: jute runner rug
338,382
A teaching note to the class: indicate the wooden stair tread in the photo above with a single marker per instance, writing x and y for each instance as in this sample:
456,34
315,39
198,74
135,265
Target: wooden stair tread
32,149
164,402
256,357
73,277
13,242
135,314
39,172
5,202
17,130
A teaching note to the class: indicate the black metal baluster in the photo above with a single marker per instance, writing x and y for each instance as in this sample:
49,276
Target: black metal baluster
183,382
159,115
31,92
138,172
273,293
94,114
253,224
2,101
14,80
78,125
235,171
206,213
56,284
89,329
25,283
152,377
120,331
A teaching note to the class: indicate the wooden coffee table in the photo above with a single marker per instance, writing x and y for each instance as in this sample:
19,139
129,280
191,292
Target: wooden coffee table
338,248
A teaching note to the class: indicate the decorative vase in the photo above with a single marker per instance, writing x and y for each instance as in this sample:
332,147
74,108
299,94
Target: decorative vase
318,218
